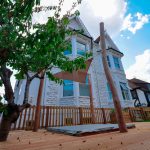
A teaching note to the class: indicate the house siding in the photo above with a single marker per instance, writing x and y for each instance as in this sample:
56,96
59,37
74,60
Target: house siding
52,92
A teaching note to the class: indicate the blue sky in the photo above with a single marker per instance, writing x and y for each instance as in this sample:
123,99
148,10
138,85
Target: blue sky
128,23
139,41
136,61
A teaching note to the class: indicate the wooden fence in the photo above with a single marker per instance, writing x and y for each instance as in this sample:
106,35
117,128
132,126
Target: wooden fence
52,116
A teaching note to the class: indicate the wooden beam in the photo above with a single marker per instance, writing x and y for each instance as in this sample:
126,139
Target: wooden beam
117,105
91,100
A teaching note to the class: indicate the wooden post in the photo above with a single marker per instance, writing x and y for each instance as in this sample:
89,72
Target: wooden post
91,100
81,115
117,105
38,105
104,116
143,114
131,116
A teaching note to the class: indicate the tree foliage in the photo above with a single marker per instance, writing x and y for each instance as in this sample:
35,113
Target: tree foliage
31,48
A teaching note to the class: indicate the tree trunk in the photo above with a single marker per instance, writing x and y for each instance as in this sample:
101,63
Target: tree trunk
38,105
5,76
117,105
4,128
13,110
27,88
12,116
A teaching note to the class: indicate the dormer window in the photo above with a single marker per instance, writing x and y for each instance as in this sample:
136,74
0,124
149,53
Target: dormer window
81,49
116,62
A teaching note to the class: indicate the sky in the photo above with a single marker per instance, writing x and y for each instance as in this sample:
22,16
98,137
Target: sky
126,21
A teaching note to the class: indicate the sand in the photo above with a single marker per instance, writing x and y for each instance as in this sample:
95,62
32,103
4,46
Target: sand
134,139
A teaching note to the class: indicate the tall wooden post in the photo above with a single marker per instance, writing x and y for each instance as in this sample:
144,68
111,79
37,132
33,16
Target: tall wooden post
117,105
91,100
38,105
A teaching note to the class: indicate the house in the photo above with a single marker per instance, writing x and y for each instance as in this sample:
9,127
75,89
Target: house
77,94
140,91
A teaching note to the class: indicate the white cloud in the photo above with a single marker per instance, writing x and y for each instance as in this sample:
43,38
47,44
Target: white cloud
141,68
92,12
135,22
128,37
112,12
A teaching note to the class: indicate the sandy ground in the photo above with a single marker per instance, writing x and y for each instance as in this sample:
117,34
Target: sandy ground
135,139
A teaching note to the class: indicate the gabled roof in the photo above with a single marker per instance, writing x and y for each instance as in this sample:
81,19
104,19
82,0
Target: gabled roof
139,84
138,81
109,43
77,24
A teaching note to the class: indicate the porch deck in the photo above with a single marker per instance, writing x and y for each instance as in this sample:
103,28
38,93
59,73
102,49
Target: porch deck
80,130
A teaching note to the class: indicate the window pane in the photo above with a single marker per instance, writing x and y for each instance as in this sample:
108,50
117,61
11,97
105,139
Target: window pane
125,91
116,62
68,82
67,52
108,61
81,48
84,89
109,92
68,88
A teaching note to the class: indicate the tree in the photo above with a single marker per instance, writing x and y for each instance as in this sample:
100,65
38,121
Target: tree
117,105
31,49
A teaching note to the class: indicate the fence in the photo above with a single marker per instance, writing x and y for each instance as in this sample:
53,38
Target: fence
52,116
139,114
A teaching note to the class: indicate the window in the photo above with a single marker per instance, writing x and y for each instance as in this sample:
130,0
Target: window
134,94
68,88
109,92
116,62
81,48
84,88
108,61
125,91
67,52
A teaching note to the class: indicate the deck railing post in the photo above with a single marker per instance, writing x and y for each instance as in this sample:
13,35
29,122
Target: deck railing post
143,114
104,116
47,116
81,115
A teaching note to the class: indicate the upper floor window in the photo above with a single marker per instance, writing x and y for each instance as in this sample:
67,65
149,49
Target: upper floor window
84,88
125,91
109,92
116,62
81,48
108,61
68,88
67,52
